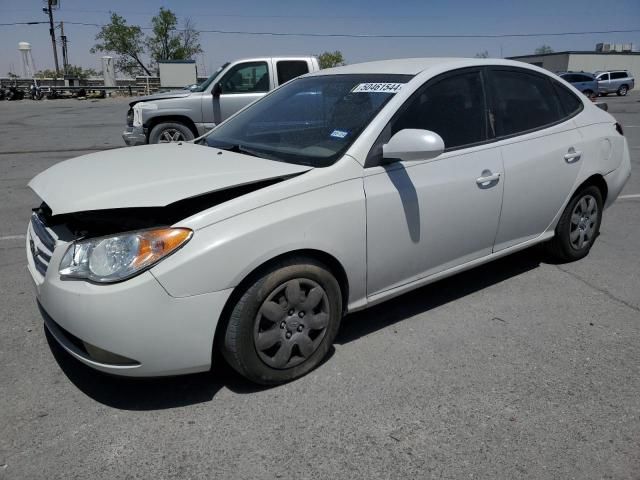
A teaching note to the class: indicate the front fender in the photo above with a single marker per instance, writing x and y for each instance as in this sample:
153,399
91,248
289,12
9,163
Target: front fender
330,219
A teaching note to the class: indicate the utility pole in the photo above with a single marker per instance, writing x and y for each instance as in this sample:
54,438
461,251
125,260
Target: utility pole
53,36
65,57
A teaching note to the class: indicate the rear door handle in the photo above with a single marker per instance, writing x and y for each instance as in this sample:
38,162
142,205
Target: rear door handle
572,156
488,178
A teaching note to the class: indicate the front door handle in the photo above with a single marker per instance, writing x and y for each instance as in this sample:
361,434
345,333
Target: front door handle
572,156
488,179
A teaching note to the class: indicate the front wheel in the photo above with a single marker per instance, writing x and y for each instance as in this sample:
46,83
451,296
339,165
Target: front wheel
622,91
578,226
284,323
590,94
169,132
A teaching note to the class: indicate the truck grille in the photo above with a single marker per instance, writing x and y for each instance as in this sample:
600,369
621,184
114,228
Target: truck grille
41,244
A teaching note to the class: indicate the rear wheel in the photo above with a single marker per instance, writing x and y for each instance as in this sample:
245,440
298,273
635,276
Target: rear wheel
578,226
284,323
169,132
622,91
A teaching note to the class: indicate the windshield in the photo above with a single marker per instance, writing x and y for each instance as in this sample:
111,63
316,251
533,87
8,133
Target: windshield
203,86
308,121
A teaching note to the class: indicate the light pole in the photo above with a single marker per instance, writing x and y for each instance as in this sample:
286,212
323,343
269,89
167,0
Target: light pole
49,10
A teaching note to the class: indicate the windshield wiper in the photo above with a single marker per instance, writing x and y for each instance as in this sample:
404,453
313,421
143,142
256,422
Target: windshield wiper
237,148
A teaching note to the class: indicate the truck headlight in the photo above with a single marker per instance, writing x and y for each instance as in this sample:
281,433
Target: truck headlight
118,257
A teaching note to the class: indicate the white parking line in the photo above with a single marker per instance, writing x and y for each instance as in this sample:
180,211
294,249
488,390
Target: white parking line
624,197
13,237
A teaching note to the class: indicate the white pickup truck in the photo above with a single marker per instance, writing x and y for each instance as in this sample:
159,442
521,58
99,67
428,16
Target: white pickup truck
184,114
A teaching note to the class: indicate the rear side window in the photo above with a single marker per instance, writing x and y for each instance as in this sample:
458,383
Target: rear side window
618,75
570,103
290,69
453,107
583,78
522,101
569,78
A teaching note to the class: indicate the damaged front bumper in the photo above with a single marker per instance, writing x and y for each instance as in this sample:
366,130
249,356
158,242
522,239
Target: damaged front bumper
134,136
131,328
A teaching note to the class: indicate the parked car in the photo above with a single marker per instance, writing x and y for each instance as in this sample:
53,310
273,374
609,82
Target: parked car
337,191
615,81
187,113
585,82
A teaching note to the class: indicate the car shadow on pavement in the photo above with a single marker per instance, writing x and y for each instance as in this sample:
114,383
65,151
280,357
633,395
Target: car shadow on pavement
159,393
171,392
439,293
128,393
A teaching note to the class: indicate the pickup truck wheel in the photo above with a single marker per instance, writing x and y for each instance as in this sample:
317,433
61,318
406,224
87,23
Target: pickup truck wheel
622,91
170,132
283,324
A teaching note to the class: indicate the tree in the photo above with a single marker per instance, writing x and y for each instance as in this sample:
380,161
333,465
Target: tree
331,59
126,41
72,71
542,49
484,54
12,75
167,43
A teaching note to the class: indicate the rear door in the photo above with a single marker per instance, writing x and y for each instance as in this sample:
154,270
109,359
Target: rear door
541,148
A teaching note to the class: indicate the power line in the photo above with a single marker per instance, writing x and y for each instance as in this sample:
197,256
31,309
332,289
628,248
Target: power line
368,35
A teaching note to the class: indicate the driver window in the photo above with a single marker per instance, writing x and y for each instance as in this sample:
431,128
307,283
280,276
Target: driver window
250,77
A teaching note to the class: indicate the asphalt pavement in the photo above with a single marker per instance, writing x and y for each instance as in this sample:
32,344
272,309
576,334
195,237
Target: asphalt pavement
518,369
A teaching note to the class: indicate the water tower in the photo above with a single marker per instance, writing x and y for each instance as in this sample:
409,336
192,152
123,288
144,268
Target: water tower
28,65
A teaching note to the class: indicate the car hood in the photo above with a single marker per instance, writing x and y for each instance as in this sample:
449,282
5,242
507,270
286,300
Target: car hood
162,96
150,176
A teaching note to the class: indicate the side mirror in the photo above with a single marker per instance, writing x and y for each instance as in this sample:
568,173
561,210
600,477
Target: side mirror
217,90
412,144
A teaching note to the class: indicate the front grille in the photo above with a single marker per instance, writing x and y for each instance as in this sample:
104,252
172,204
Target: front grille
41,244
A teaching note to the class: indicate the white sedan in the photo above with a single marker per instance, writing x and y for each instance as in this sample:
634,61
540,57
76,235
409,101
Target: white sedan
335,192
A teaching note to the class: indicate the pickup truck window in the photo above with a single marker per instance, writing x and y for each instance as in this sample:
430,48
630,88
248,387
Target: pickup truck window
290,69
248,77
309,121
204,85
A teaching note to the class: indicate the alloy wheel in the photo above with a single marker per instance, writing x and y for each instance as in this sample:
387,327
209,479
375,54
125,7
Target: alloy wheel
584,220
169,135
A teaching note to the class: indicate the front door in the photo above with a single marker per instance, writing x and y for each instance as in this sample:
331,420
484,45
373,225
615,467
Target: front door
604,84
241,85
426,216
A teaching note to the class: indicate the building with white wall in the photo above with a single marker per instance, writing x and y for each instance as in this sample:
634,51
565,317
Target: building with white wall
580,61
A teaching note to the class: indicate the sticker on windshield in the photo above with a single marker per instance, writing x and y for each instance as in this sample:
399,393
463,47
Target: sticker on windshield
339,134
377,88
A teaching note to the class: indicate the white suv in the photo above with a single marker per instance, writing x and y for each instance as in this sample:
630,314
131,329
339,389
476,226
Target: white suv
615,81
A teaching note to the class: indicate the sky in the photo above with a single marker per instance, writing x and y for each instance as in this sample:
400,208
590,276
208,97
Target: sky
330,16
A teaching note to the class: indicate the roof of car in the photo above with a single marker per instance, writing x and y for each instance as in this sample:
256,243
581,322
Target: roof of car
413,66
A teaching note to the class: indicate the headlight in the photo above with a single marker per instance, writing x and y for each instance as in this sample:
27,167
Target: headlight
117,257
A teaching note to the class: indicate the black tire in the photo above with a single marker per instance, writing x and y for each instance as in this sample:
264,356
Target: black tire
247,326
570,232
163,131
622,91
603,94
589,94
